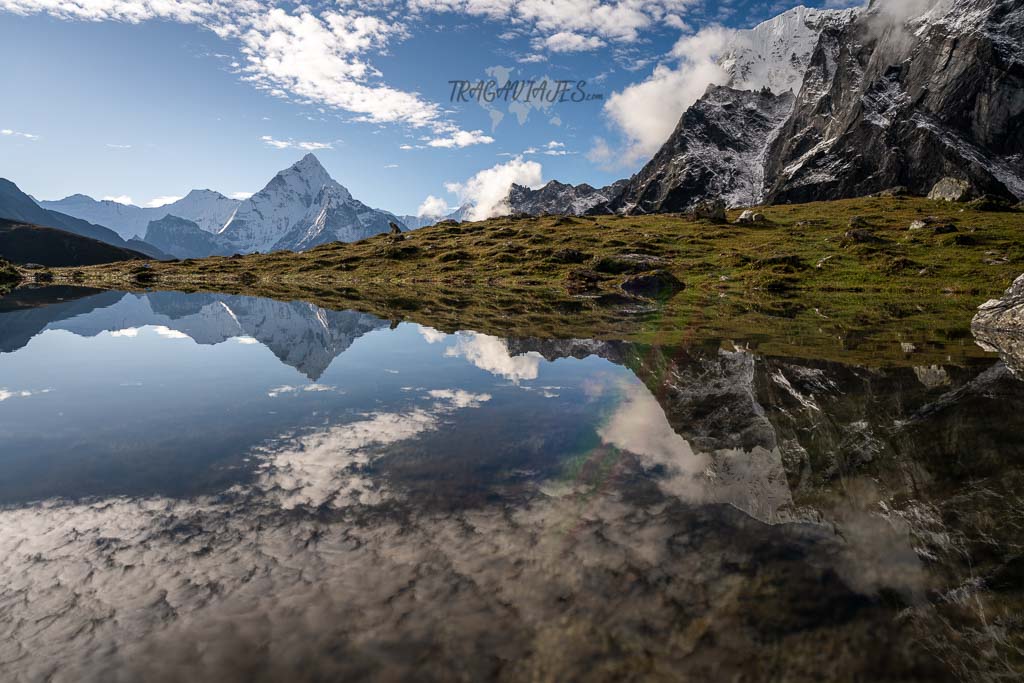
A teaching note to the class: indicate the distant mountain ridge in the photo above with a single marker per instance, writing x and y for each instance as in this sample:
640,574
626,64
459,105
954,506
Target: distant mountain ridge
301,207
15,205
208,209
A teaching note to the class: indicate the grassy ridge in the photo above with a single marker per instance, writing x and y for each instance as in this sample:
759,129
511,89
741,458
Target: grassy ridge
801,283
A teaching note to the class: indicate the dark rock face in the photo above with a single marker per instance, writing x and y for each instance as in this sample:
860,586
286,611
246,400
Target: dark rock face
885,103
561,198
183,238
716,151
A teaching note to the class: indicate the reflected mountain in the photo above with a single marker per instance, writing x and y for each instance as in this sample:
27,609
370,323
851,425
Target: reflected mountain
301,335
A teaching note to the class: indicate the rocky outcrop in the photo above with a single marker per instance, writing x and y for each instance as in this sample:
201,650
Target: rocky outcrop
998,326
1005,314
561,198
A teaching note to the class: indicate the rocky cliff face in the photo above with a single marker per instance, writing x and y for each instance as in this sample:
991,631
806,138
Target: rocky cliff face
881,100
887,101
717,150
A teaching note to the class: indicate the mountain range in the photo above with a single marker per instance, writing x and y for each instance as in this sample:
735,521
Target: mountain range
301,207
208,209
18,207
831,104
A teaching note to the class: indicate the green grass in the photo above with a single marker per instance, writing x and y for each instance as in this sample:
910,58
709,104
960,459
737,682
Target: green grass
795,285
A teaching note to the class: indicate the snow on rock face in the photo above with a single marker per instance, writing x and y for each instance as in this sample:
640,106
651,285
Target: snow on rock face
208,209
775,53
561,198
301,207
717,151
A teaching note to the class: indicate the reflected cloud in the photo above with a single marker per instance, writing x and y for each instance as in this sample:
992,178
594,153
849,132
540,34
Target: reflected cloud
492,355
328,467
288,389
24,393
430,335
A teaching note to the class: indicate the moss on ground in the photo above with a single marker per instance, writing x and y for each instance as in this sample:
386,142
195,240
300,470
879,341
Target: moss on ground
800,284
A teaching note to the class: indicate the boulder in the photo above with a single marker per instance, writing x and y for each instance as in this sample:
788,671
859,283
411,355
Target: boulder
898,191
654,285
710,210
951,190
626,263
862,237
750,217
857,222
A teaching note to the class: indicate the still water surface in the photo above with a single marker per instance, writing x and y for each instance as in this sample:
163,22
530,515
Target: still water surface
205,487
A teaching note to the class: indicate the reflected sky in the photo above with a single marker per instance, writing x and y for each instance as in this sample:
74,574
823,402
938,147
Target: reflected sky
205,487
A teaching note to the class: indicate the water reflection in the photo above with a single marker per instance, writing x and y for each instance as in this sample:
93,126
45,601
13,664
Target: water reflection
203,487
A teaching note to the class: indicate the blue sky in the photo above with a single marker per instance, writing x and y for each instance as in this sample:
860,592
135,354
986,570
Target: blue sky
145,99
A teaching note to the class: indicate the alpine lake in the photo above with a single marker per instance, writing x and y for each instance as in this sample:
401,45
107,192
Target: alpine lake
218,487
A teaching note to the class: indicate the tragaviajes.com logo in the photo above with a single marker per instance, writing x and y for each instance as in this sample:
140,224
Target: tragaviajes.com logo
537,92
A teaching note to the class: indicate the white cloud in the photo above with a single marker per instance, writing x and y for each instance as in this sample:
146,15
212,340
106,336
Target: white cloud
8,132
162,201
433,207
320,56
126,332
295,144
114,146
241,196
487,191
600,153
567,41
648,111
168,333
532,59
119,198
461,138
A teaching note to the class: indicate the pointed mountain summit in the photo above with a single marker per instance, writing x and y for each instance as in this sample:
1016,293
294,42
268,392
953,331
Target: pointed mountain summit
301,207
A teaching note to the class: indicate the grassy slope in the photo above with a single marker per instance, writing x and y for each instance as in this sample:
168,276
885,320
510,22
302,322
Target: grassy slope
27,243
760,284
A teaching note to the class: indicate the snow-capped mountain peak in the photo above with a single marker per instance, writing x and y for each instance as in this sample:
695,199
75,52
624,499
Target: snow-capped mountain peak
302,206
775,53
